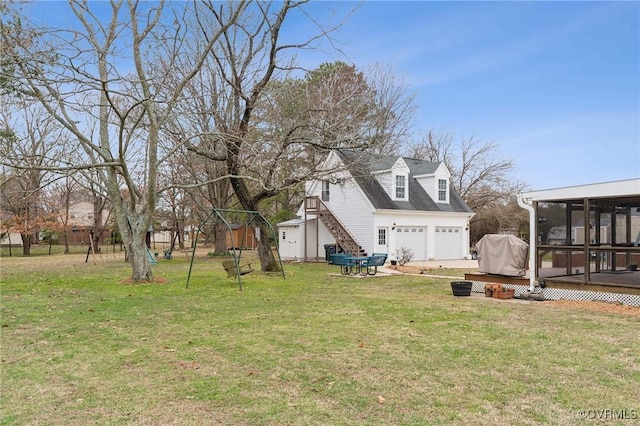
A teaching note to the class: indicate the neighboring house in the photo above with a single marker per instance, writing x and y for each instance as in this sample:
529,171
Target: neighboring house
13,239
82,221
165,236
379,204
557,236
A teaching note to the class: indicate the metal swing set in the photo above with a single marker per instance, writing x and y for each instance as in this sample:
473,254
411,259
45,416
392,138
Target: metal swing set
233,267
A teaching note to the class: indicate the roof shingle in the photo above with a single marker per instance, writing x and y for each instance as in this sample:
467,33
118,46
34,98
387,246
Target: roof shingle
363,165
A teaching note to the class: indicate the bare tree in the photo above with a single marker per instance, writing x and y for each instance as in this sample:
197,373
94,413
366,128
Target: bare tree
478,174
115,86
62,192
16,38
102,72
197,182
483,179
24,152
393,109
338,106
271,130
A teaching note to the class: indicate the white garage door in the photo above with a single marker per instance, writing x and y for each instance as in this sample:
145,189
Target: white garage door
414,238
448,242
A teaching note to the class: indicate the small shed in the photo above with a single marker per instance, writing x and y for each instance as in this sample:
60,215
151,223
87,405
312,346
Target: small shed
241,237
291,238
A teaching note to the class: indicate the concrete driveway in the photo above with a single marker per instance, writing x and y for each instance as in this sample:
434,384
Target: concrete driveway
446,264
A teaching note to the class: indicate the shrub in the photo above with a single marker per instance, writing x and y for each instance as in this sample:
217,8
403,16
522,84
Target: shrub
404,255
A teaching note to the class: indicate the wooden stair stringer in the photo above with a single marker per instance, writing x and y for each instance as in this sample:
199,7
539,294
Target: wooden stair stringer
345,241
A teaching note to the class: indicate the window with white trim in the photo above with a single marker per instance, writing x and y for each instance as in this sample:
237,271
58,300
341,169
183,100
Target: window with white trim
382,236
325,190
442,190
401,187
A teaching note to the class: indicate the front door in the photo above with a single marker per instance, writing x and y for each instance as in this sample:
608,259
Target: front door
382,241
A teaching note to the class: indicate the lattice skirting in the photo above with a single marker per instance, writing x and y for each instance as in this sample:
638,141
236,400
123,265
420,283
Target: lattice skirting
566,294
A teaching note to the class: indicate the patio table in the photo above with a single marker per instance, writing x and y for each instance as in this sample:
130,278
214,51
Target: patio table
358,260
341,259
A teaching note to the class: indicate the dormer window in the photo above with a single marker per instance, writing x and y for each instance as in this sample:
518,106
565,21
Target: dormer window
442,190
401,187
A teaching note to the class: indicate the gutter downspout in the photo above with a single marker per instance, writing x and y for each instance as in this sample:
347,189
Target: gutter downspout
532,240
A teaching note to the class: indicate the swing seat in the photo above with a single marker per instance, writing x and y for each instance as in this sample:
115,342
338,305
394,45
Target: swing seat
230,268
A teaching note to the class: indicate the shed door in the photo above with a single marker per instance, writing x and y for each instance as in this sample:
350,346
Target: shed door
448,242
414,238
289,246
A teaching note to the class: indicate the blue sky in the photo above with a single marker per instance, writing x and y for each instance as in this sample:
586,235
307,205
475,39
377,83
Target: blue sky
555,84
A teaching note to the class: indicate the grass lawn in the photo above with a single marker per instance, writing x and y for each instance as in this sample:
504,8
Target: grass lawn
79,346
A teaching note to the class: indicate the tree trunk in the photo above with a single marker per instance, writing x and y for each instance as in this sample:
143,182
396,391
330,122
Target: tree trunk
140,266
96,241
220,230
26,244
66,241
133,230
268,261
180,232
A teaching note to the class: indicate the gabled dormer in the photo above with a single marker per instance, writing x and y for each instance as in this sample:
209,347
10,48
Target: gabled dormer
400,173
393,177
436,183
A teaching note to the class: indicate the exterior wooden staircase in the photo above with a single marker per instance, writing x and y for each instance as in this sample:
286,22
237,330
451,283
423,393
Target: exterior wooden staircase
344,240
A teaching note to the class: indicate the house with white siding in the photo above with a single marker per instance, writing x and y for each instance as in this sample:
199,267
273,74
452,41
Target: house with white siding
370,203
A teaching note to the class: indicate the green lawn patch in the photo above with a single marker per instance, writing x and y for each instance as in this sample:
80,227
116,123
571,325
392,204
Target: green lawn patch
80,347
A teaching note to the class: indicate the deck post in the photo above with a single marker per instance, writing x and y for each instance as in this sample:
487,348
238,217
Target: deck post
587,240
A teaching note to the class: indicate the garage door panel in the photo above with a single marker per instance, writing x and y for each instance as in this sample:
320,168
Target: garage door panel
448,242
414,238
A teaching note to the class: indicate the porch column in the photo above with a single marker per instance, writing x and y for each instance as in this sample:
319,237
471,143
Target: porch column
568,254
587,241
